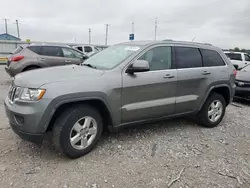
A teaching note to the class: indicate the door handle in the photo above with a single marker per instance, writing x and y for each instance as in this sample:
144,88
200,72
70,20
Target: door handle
168,76
42,59
206,73
67,61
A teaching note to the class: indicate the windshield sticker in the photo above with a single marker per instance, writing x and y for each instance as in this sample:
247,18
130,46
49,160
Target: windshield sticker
132,48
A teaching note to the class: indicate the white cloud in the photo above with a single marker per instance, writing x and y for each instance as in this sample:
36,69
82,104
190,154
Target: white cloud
225,23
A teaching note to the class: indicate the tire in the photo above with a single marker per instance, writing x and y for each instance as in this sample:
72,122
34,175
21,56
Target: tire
63,130
203,116
30,68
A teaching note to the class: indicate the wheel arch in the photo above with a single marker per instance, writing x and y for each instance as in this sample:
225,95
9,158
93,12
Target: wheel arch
97,102
222,89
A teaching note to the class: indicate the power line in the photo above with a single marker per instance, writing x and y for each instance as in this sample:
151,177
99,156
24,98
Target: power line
107,30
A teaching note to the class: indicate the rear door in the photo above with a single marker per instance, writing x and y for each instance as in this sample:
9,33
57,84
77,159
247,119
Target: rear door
51,56
72,56
246,59
192,79
151,94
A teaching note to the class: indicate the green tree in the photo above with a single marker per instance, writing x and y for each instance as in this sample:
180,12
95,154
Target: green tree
243,50
236,49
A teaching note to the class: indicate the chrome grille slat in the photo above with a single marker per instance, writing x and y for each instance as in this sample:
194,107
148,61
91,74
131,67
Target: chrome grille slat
12,94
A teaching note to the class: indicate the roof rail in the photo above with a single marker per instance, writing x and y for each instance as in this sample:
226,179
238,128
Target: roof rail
188,42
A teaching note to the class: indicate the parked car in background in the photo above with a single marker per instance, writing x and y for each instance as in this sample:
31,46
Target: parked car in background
34,56
126,84
87,49
243,83
238,58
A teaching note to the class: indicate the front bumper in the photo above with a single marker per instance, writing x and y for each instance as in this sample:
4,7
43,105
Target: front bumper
242,91
25,119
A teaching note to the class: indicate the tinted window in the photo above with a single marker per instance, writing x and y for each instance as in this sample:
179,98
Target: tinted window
234,56
35,49
187,57
211,58
79,48
52,51
159,58
247,58
70,53
87,49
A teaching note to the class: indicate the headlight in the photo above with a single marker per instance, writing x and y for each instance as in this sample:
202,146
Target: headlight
32,94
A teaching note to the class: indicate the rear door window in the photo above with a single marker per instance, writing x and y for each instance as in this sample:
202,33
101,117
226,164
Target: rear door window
187,57
234,56
211,58
35,49
52,51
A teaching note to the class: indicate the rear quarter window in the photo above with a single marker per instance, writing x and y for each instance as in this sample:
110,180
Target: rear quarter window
211,58
17,50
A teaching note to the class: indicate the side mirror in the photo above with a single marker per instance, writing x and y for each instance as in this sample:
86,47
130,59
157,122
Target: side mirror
236,67
138,66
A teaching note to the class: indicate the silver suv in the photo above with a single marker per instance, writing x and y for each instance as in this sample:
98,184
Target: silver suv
29,57
129,83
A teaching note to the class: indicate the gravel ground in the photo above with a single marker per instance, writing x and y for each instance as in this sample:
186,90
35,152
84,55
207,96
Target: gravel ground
176,153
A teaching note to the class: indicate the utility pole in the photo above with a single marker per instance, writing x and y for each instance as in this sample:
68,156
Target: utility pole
6,27
155,27
17,27
106,38
89,35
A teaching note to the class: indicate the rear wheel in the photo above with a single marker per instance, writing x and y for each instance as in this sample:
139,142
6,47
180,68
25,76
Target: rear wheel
212,111
77,130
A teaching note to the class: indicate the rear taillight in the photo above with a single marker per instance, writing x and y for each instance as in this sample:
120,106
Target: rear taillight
235,73
17,58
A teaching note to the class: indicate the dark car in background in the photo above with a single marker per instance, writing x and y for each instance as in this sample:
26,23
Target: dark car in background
34,56
243,83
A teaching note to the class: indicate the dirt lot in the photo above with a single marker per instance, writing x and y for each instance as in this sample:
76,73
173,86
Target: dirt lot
176,153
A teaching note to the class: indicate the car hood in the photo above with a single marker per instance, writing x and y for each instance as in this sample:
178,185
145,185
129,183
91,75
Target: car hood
37,78
243,76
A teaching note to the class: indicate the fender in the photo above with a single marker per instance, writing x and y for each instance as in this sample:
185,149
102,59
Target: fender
210,90
64,99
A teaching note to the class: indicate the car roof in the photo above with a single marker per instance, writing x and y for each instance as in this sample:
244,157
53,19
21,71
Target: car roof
169,41
234,52
49,44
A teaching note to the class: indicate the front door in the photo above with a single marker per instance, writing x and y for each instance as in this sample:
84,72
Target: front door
151,94
71,56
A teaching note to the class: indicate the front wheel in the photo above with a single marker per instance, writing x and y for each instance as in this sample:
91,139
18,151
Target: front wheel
212,111
77,130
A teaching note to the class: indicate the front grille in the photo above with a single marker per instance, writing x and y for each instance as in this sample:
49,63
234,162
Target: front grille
12,93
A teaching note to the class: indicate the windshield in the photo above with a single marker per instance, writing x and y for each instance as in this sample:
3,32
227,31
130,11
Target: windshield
234,56
112,56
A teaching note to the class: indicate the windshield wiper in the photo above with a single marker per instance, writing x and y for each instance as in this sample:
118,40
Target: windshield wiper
89,65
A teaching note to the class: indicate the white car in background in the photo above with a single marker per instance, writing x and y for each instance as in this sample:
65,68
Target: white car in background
238,58
87,49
